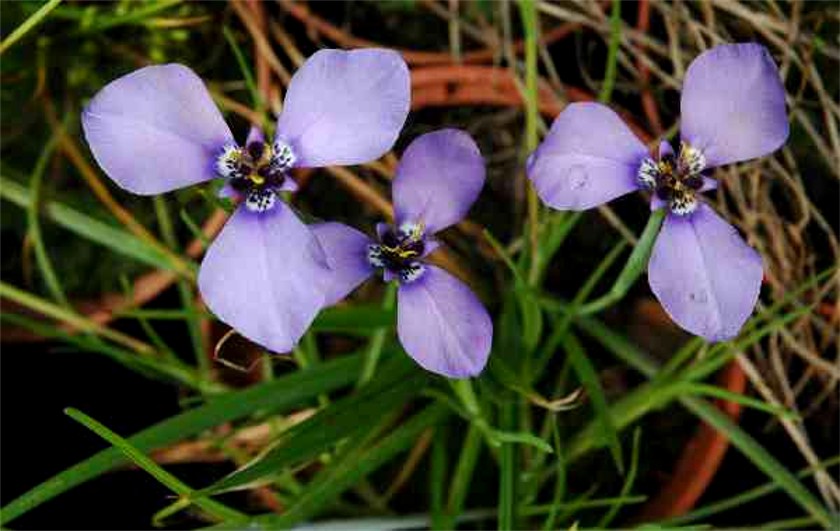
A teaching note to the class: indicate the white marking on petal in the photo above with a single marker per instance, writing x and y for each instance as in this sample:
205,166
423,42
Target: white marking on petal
412,272
283,157
411,230
260,200
648,173
684,205
374,255
691,160
227,164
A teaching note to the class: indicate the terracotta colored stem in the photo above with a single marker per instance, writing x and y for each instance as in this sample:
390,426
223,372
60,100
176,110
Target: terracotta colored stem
699,460
316,24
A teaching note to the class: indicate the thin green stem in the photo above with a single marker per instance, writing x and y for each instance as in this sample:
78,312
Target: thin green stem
34,19
246,72
377,340
34,223
612,53
528,12
508,476
33,302
211,507
185,292
636,264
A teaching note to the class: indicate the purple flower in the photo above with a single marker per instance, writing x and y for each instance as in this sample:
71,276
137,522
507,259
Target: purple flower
733,109
440,322
157,129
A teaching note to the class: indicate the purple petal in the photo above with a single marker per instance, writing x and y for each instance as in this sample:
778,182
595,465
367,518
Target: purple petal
345,107
588,158
438,179
706,277
733,104
155,129
346,250
265,275
443,325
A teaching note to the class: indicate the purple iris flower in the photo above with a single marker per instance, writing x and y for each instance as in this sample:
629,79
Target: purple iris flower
440,322
157,129
733,109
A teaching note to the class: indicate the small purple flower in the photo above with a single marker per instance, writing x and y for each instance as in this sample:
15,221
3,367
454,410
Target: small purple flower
440,322
733,109
156,130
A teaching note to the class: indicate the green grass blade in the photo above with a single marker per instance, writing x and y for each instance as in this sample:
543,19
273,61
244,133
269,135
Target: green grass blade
70,317
462,476
211,507
739,500
636,265
243,68
33,20
760,457
168,370
628,483
397,384
713,416
612,53
34,224
437,477
357,320
507,476
350,468
185,291
278,395
589,379
377,341
717,392
119,241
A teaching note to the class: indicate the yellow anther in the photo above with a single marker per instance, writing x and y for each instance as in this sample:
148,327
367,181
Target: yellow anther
256,178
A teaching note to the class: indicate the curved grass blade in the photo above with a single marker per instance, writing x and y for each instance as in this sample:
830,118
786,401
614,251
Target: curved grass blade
117,240
358,461
589,379
277,395
397,383
213,508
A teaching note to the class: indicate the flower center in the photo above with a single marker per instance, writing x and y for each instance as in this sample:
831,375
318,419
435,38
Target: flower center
256,171
399,251
675,180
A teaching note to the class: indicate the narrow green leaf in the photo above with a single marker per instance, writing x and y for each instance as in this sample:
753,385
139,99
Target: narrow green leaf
713,416
739,500
353,320
33,20
34,224
115,239
760,457
612,53
377,341
211,507
348,469
717,392
589,379
278,395
508,476
437,477
243,68
398,382
636,265
521,437
628,482
462,476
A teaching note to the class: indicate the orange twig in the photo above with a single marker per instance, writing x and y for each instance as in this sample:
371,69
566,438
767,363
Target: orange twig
316,24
